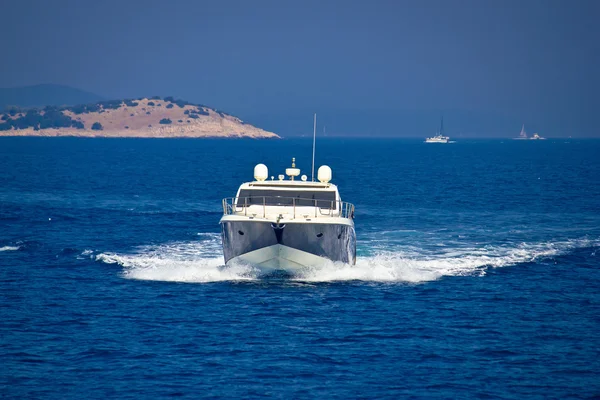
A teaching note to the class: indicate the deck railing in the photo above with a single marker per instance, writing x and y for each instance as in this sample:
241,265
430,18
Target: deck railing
301,208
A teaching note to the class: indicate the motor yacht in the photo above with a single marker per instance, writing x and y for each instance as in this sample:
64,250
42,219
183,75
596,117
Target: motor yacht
288,223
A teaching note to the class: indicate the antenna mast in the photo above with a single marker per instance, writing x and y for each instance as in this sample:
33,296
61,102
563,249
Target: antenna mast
312,175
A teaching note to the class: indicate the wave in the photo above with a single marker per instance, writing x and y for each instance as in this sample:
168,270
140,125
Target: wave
198,261
202,261
408,266
10,248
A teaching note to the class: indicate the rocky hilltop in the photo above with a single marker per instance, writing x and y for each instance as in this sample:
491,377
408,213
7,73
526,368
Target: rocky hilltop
146,117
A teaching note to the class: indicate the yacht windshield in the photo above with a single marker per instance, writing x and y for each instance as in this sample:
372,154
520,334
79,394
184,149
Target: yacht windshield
323,199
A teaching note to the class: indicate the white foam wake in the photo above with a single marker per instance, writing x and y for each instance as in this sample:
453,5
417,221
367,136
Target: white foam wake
10,248
198,261
406,266
409,266
202,261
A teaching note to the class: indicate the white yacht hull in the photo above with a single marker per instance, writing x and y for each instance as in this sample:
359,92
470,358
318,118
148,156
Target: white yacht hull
280,258
288,246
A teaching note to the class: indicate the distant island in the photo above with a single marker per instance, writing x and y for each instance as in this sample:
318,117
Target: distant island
153,117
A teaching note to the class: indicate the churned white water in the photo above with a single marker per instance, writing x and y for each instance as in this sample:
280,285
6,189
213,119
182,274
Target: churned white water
202,261
9,248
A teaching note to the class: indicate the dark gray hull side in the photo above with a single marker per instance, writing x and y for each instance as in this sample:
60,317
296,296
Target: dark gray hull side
336,242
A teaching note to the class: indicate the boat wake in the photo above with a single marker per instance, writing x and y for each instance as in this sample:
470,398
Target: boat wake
10,248
198,261
202,261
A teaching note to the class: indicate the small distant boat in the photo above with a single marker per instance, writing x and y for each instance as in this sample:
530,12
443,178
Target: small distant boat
439,138
522,135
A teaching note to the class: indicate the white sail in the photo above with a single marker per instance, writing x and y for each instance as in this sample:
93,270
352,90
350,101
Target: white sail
523,134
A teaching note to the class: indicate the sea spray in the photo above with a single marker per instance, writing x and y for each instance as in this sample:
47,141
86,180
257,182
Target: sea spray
202,261
9,248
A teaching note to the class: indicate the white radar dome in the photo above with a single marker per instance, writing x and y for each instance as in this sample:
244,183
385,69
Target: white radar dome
292,172
261,172
324,174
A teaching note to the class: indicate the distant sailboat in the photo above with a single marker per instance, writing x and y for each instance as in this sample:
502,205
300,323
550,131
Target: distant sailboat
522,135
439,138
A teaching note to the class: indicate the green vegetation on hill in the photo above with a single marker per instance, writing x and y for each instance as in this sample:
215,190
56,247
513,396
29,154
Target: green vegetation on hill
49,117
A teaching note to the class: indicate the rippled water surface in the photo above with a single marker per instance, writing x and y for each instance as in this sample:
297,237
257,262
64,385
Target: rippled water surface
477,273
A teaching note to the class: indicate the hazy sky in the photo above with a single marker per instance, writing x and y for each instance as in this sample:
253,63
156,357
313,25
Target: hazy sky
531,60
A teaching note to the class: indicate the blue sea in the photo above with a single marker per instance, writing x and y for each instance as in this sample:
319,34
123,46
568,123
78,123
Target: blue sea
478,273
